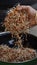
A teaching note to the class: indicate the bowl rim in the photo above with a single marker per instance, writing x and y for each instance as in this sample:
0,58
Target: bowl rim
21,62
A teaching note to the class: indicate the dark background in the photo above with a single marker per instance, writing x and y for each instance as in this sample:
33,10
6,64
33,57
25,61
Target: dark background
5,4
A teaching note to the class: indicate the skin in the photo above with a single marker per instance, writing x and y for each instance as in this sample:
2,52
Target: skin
32,13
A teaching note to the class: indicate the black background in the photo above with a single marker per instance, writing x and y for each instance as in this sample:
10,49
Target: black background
5,4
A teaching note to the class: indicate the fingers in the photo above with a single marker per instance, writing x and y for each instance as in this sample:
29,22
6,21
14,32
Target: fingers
20,7
28,9
31,12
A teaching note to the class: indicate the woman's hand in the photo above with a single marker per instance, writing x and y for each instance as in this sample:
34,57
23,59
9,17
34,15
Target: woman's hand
31,12
28,9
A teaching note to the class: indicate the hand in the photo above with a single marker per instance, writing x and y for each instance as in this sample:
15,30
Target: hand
30,11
